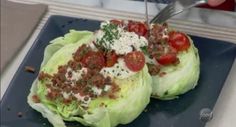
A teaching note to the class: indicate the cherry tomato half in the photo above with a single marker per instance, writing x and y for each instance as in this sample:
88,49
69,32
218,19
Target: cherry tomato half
111,59
167,59
135,60
179,41
93,60
137,27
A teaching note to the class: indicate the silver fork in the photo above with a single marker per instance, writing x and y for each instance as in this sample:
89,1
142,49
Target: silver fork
174,8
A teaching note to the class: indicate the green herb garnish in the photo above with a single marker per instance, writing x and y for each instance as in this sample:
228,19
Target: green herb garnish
111,33
144,49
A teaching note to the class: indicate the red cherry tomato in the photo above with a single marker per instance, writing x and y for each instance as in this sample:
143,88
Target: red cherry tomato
111,59
179,41
167,59
93,60
135,60
137,27
117,22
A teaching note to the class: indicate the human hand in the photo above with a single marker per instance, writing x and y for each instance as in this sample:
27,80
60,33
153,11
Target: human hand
214,3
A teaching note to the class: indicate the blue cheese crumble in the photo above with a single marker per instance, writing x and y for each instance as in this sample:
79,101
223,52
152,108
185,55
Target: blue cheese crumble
119,70
124,43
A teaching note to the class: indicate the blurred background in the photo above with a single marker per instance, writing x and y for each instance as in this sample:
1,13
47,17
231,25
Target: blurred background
229,5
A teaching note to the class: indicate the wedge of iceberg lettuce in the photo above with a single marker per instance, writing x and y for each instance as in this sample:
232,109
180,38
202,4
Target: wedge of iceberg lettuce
178,78
132,98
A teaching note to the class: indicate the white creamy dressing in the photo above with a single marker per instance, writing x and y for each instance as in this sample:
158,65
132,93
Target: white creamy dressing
92,46
96,90
126,42
79,97
49,90
66,95
165,33
149,60
76,75
107,88
85,103
119,70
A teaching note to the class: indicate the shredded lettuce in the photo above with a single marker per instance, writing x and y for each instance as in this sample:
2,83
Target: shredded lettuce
132,98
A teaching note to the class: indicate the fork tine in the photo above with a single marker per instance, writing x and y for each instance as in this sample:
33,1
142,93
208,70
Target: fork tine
164,14
160,14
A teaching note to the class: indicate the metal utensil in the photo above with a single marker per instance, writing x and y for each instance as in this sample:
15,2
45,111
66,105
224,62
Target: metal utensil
146,11
174,8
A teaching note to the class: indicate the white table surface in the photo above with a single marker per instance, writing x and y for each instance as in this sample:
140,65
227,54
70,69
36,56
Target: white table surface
224,111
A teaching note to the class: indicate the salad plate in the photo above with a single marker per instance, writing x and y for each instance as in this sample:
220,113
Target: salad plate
216,59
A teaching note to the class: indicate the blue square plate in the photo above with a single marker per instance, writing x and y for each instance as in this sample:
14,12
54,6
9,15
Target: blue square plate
216,57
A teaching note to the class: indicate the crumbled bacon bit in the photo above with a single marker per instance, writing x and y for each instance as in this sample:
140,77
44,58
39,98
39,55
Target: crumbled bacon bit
161,74
79,54
98,80
35,99
86,98
61,77
75,90
48,85
156,33
42,75
112,96
177,61
108,81
67,88
69,74
67,101
52,95
73,65
153,69
29,69
86,90
115,88
62,69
